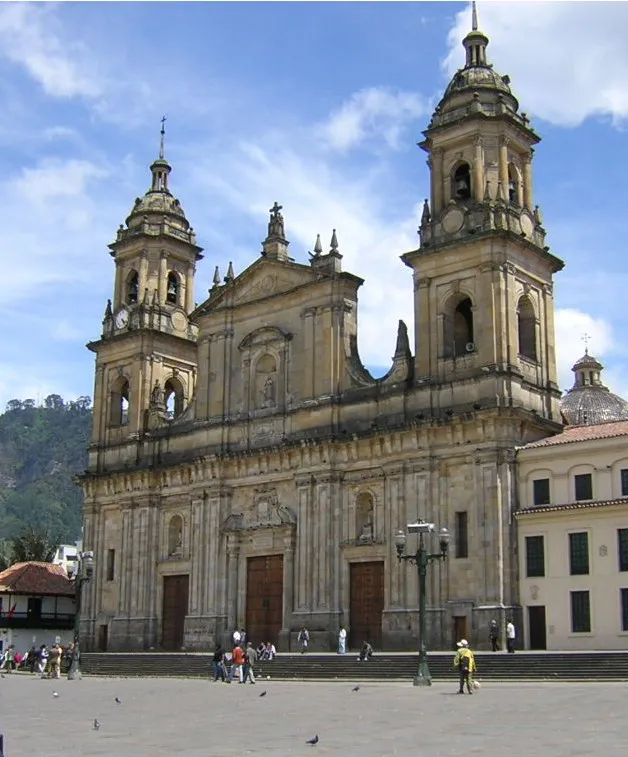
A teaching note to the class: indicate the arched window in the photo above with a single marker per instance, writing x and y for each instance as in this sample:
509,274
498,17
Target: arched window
173,396
172,291
458,335
526,323
132,287
364,517
461,182
119,403
513,185
266,381
175,535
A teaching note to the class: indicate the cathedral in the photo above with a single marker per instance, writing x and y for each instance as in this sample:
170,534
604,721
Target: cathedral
246,470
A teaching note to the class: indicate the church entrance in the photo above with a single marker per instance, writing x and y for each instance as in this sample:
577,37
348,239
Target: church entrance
366,603
174,610
264,598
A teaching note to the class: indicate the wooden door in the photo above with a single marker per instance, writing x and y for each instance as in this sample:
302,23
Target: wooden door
175,608
460,629
536,622
366,603
103,637
264,598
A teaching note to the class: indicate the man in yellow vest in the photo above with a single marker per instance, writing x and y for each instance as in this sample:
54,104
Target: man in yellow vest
465,662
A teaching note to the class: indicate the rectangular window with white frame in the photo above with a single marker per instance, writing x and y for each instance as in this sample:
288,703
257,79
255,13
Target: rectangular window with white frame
583,486
623,595
535,557
623,473
579,554
541,491
622,549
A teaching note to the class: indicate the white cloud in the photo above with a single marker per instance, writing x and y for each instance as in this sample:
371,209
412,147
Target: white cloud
56,214
571,327
28,37
371,113
568,61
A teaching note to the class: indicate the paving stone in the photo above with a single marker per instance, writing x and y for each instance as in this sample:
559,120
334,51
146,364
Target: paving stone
191,718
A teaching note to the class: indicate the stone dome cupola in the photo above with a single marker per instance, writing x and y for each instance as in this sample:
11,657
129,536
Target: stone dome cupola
589,401
159,203
477,84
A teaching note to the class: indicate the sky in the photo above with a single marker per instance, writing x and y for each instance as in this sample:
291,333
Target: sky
316,105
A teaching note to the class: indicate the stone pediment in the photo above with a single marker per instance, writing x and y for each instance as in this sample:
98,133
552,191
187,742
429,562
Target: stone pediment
269,281
265,278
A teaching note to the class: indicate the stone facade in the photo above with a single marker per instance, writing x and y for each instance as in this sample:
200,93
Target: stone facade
573,538
245,464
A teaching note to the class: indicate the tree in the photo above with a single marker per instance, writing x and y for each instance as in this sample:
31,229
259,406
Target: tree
5,555
13,405
54,402
32,544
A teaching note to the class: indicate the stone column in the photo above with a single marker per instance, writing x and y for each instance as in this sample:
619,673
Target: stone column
303,546
288,581
438,157
143,275
198,556
163,277
478,170
233,555
309,369
424,343
503,164
189,289
528,200
119,294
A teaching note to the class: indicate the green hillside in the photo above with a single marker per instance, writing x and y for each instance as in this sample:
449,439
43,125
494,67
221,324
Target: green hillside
41,449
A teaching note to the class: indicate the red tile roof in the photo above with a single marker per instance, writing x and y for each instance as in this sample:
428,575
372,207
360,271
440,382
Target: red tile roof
36,578
572,506
582,434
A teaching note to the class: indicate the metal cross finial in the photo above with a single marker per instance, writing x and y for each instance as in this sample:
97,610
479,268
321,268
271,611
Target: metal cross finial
163,133
585,338
474,17
274,211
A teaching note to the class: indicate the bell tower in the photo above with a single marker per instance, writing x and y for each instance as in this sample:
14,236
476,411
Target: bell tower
484,308
146,356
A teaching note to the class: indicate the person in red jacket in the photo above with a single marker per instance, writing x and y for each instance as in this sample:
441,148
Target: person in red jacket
237,661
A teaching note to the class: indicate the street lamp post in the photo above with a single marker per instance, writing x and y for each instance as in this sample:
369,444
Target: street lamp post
422,558
84,572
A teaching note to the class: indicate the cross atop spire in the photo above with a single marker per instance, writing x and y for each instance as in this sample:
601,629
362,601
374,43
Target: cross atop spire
163,134
585,338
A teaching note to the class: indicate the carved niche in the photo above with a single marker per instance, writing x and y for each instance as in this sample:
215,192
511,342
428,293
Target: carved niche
265,359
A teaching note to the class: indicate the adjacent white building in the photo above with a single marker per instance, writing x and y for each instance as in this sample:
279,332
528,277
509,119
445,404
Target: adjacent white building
573,523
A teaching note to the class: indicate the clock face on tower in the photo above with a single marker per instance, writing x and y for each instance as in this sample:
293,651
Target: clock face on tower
122,318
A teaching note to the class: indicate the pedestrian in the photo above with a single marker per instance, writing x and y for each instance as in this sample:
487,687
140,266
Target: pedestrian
55,661
251,659
237,661
493,635
303,638
218,662
43,660
237,638
366,652
8,663
464,661
511,633
342,641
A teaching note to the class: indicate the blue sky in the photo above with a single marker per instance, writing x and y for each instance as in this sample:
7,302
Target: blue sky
317,105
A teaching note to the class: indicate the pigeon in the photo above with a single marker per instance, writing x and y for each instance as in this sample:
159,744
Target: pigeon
96,724
263,694
355,688
118,700
55,694
313,741
1,675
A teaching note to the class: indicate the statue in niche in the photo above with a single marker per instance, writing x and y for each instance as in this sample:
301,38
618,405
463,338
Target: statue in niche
175,536
364,517
157,395
268,393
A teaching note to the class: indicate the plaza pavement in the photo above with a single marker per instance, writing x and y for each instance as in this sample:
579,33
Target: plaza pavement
191,718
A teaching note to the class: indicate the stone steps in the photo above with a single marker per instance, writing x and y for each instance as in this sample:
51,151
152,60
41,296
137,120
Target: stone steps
562,666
